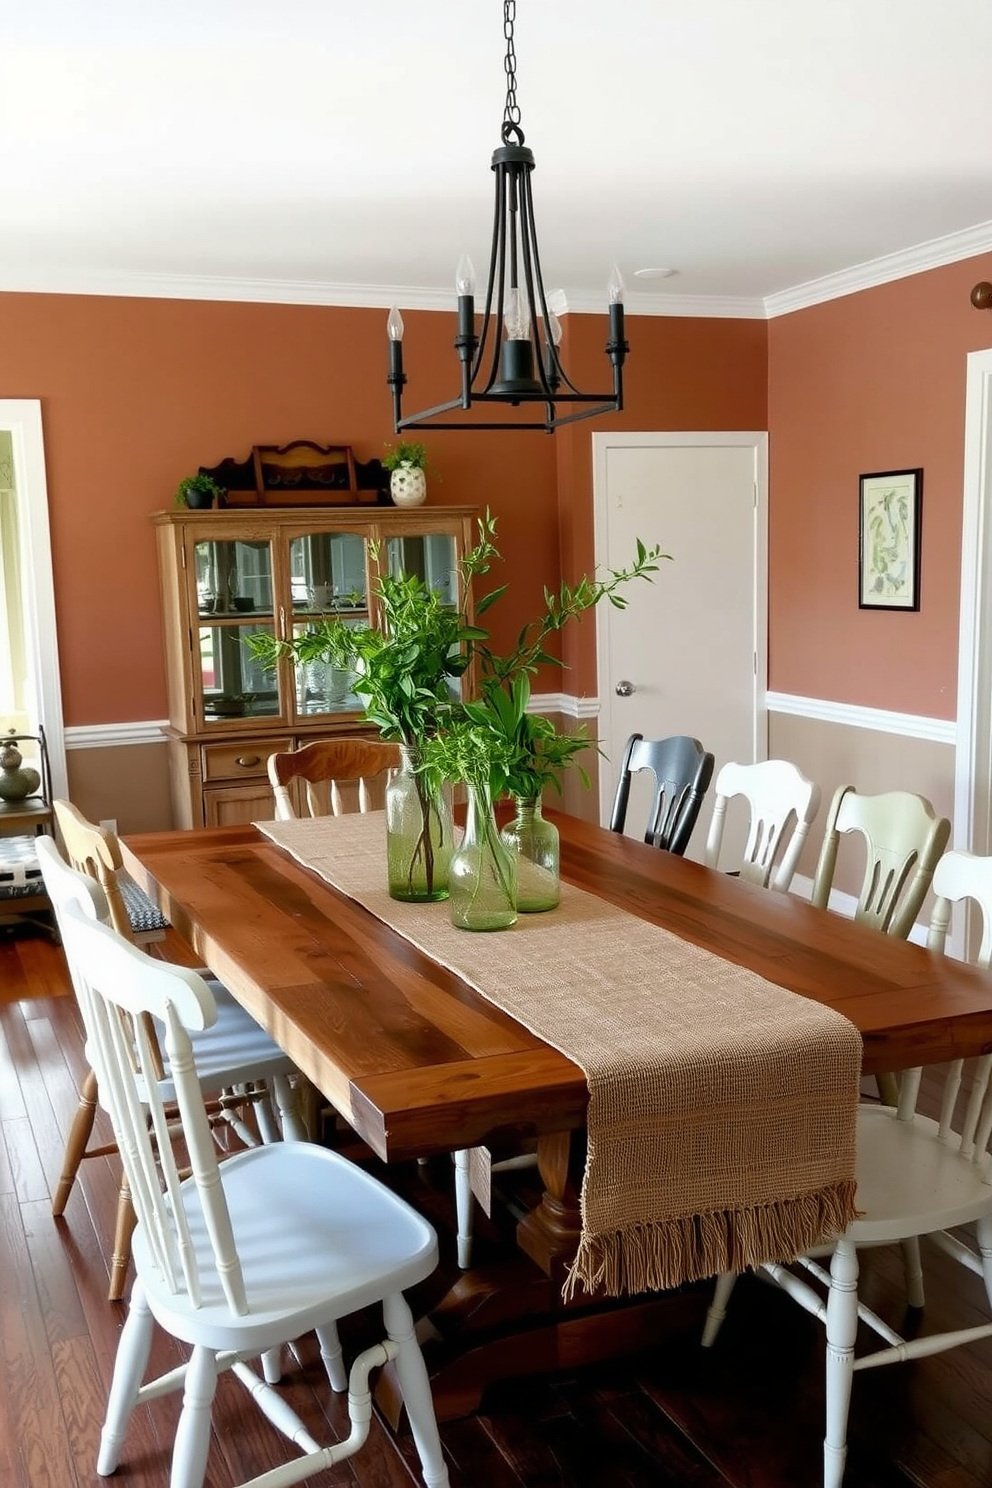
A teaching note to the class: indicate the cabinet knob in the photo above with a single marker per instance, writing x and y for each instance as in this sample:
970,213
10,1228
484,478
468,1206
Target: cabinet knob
248,761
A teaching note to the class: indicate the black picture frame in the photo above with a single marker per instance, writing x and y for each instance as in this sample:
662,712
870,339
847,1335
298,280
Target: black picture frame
889,509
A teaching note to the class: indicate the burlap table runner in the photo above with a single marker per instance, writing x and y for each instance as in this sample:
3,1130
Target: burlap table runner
721,1123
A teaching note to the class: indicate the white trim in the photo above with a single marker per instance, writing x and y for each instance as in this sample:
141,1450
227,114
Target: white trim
852,715
22,418
952,248
116,735
563,702
351,296
757,442
933,255
973,769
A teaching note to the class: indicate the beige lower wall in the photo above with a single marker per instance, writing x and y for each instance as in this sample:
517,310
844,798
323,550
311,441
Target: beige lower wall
836,754
129,784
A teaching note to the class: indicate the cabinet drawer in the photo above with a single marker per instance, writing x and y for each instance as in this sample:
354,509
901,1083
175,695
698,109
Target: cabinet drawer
240,760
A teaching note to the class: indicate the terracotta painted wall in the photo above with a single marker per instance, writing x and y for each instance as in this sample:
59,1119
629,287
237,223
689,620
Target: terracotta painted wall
874,381
137,393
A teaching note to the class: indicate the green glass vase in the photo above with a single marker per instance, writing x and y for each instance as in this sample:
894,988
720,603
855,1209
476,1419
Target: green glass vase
534,845
483,874
419,834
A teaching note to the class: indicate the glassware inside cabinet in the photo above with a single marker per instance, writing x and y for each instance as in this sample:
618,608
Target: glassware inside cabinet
324,683
234,685
233,578
329,575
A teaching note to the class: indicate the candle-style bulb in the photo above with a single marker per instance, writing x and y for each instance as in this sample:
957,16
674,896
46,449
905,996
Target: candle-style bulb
465,277
615,286
516,317
394,325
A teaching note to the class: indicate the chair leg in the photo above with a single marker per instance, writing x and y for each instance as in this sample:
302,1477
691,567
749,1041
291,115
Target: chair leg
331,1353
293,1128
717,1310
913,1268
842,1327
123,1230
464,1207
129,1368
192,1443
411,1371
75,1147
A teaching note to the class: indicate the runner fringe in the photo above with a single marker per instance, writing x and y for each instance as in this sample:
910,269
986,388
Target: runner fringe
660,1256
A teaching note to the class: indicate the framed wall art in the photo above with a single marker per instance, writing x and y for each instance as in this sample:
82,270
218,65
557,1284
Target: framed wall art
889,540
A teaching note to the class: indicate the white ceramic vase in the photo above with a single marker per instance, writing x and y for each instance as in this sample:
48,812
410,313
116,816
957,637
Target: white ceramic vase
408,485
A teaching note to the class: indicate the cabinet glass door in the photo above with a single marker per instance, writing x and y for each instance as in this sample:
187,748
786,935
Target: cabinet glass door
234,600
433,557
329,578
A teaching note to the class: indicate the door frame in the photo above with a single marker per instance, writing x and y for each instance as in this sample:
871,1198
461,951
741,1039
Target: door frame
973,752
757,442
21,418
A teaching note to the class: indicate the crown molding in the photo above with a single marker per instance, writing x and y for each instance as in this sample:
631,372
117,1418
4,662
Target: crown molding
933,255
950,249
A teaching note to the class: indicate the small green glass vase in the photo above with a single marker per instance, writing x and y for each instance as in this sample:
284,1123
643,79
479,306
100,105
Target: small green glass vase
419,834
534,844
483,874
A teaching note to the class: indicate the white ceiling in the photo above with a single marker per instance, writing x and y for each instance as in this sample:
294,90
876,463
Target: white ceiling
338,150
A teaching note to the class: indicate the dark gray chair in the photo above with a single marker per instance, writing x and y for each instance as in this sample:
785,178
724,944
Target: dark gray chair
682,771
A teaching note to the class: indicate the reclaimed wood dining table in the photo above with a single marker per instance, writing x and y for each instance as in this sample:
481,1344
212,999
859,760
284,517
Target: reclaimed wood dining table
418,1062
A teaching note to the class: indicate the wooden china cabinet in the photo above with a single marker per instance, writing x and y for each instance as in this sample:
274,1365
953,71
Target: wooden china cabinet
228,574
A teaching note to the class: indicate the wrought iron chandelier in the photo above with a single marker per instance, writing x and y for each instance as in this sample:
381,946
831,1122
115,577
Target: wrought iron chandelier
514,359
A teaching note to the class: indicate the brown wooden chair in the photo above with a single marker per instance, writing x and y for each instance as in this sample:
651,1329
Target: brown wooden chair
95,851
338,775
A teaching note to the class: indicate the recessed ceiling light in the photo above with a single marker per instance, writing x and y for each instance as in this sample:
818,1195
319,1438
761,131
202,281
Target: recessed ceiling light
654,273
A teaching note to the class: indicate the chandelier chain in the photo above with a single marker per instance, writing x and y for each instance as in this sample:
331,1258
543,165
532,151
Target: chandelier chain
511,109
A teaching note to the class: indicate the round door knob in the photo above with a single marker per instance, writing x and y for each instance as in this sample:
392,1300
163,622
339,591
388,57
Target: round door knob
624,689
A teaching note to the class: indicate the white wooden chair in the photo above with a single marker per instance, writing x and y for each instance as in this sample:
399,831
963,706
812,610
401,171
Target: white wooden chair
782,805
235,1055
903,839
916,1176
339,775
244,1255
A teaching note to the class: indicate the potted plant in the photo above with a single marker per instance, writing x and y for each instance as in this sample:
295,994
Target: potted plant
198,492
407,463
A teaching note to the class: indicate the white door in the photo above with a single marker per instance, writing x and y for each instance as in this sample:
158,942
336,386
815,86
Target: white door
692,645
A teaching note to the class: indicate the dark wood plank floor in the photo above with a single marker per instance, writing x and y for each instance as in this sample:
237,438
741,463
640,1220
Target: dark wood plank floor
747,1414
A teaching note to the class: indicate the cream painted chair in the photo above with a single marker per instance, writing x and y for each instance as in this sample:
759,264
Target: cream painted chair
338,775
916,1176
242,1060
782,805
903,841
342,775
243,1256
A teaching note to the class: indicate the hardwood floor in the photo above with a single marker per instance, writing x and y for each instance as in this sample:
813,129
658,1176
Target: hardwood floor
747,1414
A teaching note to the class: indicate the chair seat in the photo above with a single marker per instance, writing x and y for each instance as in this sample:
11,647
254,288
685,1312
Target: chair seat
234,1050
317,1237
909,1182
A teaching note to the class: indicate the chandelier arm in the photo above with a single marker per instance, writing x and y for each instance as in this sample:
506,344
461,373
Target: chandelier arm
540,324
497,258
